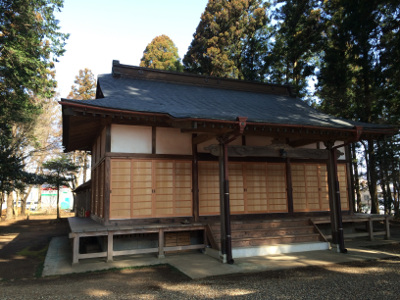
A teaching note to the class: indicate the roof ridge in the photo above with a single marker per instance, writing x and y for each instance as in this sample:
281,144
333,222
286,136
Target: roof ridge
121,70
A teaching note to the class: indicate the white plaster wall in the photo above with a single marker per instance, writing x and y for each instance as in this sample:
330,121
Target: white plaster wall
172,141
130,139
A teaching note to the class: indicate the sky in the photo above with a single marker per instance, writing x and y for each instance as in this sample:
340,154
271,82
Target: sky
105,30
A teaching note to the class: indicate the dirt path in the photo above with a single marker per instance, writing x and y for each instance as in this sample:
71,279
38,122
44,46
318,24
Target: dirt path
23,244
361,280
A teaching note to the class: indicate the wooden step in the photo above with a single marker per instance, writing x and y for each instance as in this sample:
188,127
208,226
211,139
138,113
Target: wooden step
258,233
289,239
261,225
268,232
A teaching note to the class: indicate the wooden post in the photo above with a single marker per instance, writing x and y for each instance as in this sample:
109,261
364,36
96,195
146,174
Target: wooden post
75,250
161,253
108,138
334,200
110,246
289,186
226,239
195,181
153,140
222,202
107,190
227,211
350,180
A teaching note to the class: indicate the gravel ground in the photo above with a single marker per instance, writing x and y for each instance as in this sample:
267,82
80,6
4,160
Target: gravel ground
361,280
366,280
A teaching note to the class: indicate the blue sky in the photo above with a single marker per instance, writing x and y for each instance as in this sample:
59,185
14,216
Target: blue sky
104,30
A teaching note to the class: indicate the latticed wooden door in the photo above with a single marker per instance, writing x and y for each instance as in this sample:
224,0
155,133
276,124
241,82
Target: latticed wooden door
150,188
209,192
253,188
310,187
276,187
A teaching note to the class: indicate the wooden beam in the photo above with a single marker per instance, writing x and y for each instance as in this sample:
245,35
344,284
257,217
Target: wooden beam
282,151
202,138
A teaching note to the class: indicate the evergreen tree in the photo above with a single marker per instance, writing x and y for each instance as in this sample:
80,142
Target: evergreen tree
84,87
60,171
227,40
297,44
358,71
30,42
161,53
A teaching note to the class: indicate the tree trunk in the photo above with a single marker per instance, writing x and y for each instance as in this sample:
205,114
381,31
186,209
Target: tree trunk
39,206
396,200
58,202
372,178
10,205
1,204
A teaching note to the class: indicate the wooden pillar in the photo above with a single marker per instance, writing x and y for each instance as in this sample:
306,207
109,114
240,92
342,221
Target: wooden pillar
350,179
226,239
107,190
195,181
153,139
108,138
107,177
334,200
161,243
221,200
75,250
289,186
110,246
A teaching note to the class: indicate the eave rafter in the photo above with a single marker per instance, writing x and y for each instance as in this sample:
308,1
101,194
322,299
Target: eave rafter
295,135
87,118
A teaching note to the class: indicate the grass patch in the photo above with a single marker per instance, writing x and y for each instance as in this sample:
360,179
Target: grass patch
37,254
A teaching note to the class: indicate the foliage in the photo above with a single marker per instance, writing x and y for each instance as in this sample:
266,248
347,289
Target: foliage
11,168
297,34
161,53
228,41
59,171
12,173
30,42
84,87
350,48
359,74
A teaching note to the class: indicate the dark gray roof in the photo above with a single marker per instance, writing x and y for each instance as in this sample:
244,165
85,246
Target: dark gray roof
183,101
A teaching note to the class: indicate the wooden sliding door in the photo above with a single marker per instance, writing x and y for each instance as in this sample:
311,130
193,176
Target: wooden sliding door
150,188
